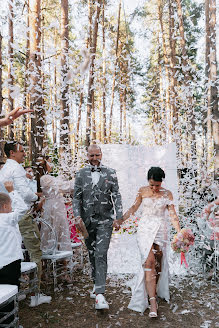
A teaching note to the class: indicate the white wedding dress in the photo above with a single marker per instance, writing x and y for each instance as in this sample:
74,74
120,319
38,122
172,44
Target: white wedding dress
152,228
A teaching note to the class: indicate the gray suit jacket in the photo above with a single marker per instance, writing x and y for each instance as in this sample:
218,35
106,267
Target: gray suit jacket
103,199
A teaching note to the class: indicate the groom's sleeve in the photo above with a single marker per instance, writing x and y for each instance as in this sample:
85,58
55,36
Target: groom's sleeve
77,195
116,196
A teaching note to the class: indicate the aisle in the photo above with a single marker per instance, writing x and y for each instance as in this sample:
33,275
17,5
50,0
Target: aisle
193,304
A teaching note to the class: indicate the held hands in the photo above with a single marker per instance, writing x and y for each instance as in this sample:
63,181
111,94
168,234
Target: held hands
81,226
117,223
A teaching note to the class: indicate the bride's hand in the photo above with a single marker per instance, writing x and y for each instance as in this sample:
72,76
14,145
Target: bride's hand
117,224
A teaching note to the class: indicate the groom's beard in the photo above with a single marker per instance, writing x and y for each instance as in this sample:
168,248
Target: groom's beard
95,162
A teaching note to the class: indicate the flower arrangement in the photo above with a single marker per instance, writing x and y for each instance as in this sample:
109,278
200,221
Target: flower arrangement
130,226
181,242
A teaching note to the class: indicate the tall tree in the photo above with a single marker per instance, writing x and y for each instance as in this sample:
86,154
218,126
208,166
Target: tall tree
36,95
90,97
114,74
26,94
10,62
211,78
104,74
64,133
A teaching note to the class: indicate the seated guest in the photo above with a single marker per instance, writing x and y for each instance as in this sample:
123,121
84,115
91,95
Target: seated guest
10,240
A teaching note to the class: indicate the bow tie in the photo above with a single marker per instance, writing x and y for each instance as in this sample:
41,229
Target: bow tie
95,169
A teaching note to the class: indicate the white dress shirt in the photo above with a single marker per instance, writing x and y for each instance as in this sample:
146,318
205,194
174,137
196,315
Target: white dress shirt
95,175
10,237
13,171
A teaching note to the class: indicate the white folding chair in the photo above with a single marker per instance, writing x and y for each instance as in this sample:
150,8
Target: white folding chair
8,294
30,285
54,258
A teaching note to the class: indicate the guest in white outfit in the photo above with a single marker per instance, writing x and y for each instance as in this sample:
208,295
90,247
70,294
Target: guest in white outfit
152,238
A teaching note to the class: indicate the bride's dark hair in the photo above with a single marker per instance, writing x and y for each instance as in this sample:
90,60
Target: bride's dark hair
156,173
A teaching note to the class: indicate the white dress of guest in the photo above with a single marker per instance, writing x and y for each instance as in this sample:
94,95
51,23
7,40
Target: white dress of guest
54,212
152,228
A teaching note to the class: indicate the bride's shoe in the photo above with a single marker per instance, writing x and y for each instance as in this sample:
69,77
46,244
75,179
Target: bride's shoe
153,314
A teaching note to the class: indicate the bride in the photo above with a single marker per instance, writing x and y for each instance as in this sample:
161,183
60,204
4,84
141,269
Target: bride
152,239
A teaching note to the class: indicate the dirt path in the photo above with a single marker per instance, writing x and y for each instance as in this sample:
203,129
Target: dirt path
194,303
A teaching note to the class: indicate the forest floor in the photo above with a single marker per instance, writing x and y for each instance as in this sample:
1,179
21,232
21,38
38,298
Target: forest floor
193,304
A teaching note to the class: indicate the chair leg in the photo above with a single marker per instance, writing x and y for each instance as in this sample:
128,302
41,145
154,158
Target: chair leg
54,274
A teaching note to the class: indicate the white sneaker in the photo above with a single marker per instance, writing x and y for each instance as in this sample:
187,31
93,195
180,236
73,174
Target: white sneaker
92,293
39,299
101,302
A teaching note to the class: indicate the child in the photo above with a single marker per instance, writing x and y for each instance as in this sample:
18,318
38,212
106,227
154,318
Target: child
10,240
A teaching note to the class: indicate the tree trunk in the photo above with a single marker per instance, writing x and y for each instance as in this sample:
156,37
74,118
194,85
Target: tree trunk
173,81
90,97
212,83
26,93
64,131
114,75
104,75
187,92
207,75
166,61
10,64
36,96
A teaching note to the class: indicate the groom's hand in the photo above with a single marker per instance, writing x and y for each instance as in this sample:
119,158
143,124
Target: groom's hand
117,224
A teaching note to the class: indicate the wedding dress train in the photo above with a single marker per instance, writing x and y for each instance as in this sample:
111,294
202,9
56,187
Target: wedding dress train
153,228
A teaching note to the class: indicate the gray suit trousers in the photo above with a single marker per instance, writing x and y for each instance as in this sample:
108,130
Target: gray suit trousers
97,244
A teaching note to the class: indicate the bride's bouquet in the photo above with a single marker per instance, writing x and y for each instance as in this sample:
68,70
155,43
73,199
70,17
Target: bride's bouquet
181,243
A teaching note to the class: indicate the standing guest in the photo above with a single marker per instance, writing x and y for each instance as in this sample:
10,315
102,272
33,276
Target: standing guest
96,196
13,171
10,240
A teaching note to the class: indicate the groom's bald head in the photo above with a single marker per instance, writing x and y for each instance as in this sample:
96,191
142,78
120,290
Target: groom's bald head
94,154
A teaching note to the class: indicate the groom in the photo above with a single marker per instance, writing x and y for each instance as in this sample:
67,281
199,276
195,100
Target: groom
97,200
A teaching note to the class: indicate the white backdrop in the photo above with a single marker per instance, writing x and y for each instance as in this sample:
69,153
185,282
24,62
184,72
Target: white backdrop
132,163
